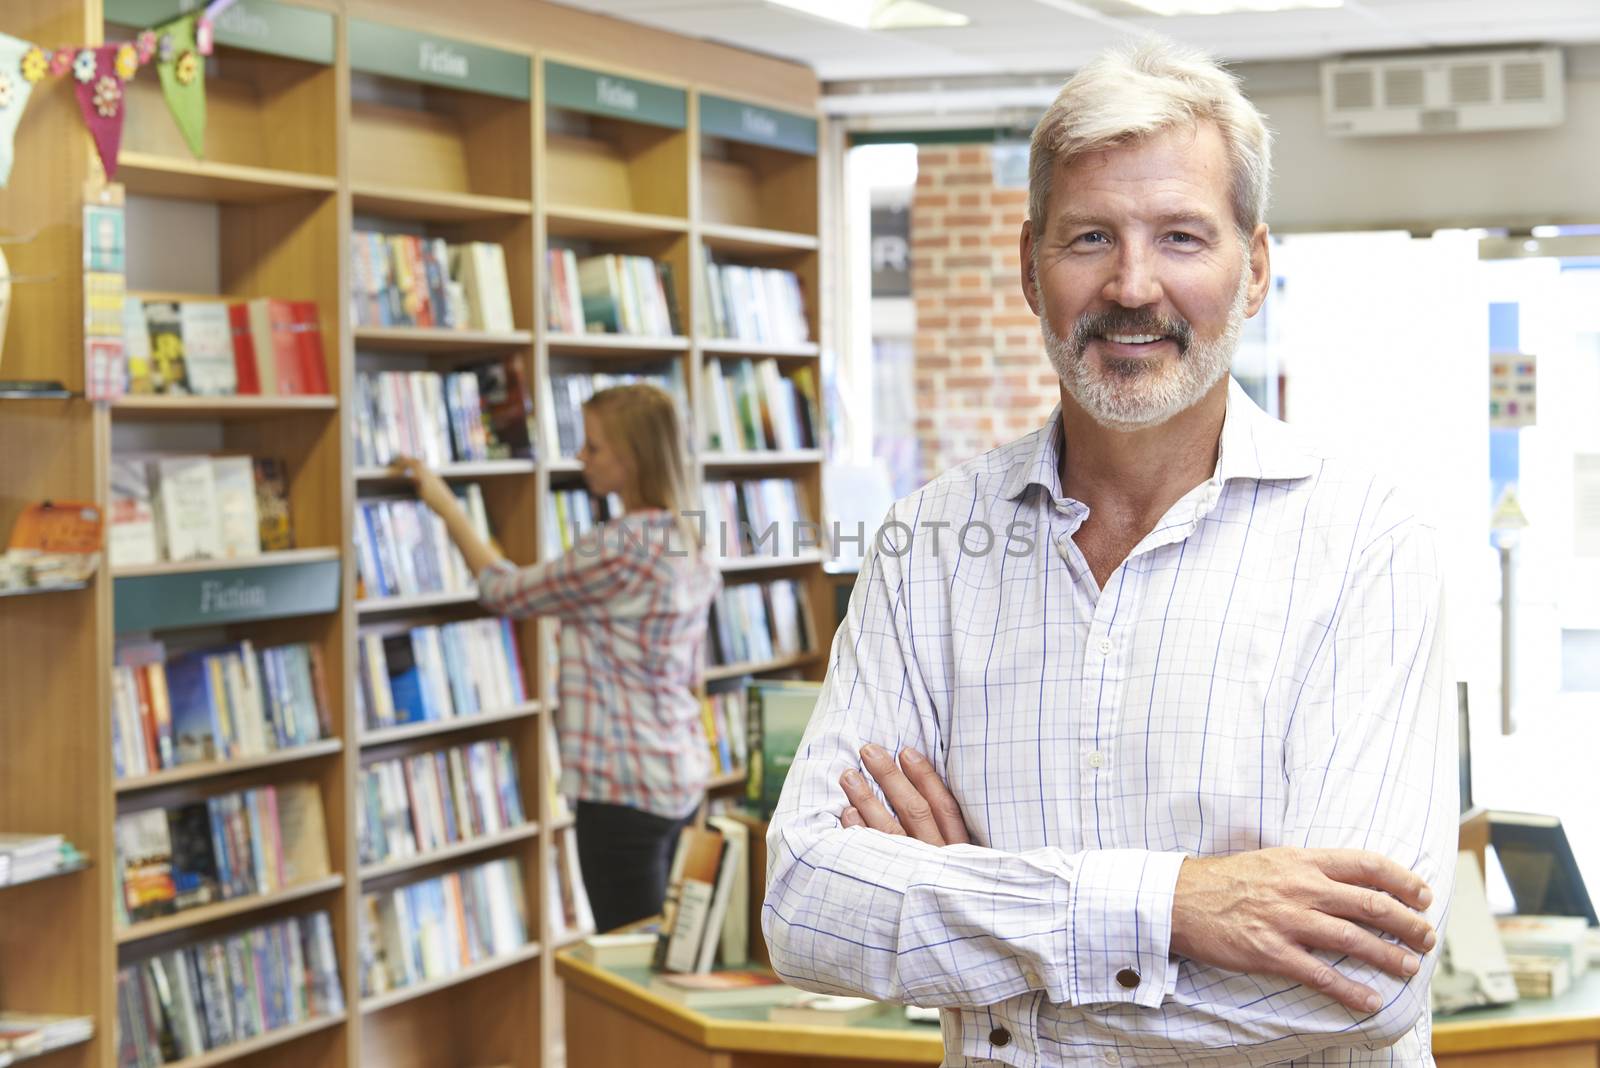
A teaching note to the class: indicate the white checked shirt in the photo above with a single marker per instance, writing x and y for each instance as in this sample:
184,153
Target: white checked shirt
1264,669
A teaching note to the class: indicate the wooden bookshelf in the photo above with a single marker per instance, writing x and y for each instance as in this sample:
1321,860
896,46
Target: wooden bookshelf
316,129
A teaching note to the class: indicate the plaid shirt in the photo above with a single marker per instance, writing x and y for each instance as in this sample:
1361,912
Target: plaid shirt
1264,669
633,625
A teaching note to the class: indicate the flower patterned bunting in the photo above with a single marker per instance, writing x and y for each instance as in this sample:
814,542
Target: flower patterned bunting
146,44
22,64
35,65
100,101
107,96
167,50
187,67
83,66
203,38
127,62
61,61
8,92
183,81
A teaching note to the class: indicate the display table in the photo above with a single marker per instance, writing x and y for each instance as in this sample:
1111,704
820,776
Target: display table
614,1019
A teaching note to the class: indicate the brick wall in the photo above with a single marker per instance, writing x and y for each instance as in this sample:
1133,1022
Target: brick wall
982,377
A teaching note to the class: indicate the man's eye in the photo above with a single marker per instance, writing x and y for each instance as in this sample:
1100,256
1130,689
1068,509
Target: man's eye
1182,238
1094,237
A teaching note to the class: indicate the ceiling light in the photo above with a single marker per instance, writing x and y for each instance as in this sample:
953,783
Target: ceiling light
878,14
1229,7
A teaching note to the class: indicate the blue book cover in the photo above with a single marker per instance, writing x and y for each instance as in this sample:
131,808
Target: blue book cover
194,714
405,680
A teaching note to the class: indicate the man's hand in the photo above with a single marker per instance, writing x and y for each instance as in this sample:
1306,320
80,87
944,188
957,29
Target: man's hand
1260,912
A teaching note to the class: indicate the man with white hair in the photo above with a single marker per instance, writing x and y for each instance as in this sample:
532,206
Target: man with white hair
1149,703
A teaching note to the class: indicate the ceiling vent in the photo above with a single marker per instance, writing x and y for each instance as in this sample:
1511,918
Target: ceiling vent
1456,93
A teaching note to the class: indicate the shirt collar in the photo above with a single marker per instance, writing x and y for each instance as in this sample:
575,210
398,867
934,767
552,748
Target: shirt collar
1254,445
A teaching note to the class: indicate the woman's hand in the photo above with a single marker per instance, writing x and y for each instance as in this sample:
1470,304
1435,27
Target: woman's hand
432,489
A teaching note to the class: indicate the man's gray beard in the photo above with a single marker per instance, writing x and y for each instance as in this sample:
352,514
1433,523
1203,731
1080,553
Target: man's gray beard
1136,394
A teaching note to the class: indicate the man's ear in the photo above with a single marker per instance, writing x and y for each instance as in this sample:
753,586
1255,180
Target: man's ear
1029,265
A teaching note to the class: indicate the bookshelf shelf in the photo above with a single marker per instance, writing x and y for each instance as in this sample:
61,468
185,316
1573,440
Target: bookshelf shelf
35,591
564,823
752,240
609,225
470,846
155,406
282,558
7,1059
612,344
429,205
70,869
564,467
222,910
477,469
381,605
731,347
756,459
389,1000
216,768
186,179
437,339
732,671
270,1040
412,731
769,563
735,777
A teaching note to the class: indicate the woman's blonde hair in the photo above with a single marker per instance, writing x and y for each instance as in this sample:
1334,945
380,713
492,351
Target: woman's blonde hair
1141,89
641,422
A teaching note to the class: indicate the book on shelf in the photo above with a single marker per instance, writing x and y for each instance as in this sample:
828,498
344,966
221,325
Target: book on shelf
733,988
239,844
218,348
827,1010
705,867
752,406
753,622
478,413
556,788
733,883
753,517
572,513
1562,937
214,993
420,804
434,673
180,508
33,1034
779,711
416,281
573,919
434,928
724,713
215,703
562,396
53,543
757,304
24,857
1539,976
611,294
404,550
619,949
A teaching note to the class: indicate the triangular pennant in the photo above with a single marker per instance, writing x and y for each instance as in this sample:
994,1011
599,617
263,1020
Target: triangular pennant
99,88
183,79
21,64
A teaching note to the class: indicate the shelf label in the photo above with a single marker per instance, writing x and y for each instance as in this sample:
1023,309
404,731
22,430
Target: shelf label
252,25
229,595
755,125
426,57
598,93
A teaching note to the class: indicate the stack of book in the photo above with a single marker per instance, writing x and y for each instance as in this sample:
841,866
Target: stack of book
30,1034
573,919
406,280
482,412
572,513
25,857
777,713
759,621
179,1004
753,517
706,909
611,294
437,927
423,803
722,714
404,550
1546,953
752,406
563,397
757,304
211,348
216,703
256,841
178,508
438,672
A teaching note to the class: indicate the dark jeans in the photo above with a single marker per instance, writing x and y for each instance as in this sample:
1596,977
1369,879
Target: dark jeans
625,855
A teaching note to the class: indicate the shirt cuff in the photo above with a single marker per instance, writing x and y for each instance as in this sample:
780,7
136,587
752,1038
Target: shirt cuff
1119,929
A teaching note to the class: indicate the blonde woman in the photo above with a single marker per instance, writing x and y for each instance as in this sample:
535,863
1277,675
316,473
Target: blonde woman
632,597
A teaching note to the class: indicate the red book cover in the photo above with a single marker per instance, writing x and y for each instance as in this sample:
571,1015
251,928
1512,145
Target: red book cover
244,350
419,281
308,338
285,349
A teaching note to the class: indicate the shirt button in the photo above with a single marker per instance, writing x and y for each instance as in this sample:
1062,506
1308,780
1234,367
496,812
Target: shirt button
1105,646
999,1037
1110,1057
1127,978
1096,758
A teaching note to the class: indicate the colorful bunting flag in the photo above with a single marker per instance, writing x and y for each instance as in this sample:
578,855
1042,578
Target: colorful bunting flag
100,99
21,65
183,79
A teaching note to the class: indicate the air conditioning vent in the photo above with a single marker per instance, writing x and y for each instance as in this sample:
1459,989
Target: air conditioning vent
1402,87
1518,89
1471,83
